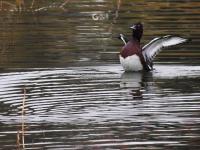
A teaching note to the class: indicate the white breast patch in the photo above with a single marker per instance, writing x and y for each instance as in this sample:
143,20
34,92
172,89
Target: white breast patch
131,63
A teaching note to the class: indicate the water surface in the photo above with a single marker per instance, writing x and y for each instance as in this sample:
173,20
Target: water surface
77,95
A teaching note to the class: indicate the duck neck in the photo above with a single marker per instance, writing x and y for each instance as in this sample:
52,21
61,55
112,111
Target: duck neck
137,35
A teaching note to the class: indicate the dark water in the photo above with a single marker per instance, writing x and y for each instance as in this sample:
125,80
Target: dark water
77,95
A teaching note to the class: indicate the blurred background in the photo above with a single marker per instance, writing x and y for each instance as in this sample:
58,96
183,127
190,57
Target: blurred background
61,33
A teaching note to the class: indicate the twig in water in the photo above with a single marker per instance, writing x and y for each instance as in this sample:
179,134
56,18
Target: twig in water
20,4
33,1
23,113
1,4
64,3
116,15
42,8
20,134
18,140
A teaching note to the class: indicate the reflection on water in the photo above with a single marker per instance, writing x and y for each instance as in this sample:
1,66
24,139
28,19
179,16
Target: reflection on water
77,97
136,82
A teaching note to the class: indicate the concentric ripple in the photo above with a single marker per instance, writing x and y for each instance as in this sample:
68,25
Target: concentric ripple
101,107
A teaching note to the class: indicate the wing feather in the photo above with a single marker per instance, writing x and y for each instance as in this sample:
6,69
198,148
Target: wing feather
123,38
151,49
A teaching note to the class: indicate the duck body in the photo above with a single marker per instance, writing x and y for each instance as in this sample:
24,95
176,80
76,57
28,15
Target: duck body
133,57
130,56
131,63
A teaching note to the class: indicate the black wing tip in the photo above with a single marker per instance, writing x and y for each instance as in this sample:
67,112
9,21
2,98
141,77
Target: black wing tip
188,40
121,35
117,36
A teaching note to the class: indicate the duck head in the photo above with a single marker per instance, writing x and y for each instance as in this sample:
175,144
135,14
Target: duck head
137,31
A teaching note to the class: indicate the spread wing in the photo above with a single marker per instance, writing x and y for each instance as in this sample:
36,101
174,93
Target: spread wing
123,38
150,50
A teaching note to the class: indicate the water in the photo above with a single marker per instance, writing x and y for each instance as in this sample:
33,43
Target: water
77,95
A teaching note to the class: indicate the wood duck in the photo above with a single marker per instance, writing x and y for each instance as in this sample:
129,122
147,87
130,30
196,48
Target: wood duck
133,57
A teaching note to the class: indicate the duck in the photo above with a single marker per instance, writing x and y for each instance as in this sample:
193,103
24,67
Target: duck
133,57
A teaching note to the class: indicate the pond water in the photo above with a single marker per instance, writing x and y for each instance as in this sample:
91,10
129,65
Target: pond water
62,62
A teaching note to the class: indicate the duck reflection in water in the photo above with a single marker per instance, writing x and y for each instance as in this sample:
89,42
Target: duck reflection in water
137,83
